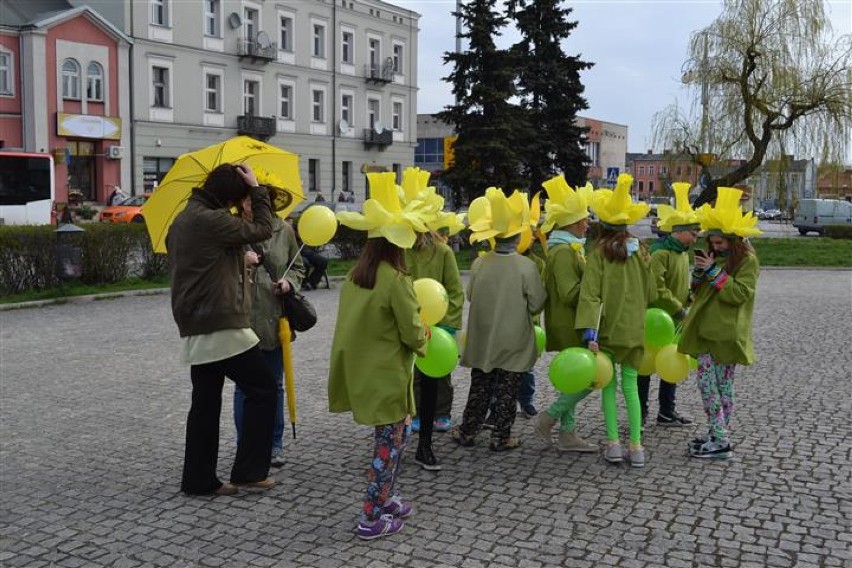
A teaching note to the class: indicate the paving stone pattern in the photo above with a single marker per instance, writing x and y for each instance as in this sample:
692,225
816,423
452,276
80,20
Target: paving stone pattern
93,401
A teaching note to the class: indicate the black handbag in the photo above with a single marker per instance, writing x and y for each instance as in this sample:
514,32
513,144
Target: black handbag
298,310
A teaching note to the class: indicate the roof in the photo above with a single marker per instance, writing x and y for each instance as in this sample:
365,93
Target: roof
47,18
22,13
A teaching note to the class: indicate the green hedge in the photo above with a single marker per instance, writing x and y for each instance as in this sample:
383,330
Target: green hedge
109,254
838,231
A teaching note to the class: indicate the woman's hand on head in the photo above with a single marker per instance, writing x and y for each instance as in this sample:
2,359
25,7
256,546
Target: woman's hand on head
247,174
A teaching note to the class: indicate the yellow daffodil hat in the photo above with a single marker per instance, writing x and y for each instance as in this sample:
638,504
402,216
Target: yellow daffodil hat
565,205
415,187
681,217
615,208
495,216
726,218
386,214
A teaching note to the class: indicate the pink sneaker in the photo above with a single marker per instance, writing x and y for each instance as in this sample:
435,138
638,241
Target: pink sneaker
385,525
396,507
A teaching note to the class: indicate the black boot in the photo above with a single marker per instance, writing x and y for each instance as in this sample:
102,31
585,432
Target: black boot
426,458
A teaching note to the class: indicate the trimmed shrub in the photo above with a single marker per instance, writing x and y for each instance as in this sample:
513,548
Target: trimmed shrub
107,253
27,258
838,231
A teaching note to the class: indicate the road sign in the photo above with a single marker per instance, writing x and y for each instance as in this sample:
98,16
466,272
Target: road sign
611,176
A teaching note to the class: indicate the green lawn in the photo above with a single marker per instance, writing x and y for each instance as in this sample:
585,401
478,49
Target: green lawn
797,251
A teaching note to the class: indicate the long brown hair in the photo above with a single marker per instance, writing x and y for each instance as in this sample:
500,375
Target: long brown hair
377,250
738,249
614,245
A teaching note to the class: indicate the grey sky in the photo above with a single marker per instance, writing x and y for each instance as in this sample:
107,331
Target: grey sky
637,46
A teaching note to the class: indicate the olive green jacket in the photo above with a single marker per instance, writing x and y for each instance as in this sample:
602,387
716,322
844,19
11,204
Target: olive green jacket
278,251
670,270
563,273
625,290
720,321
504,291
377,335
436,260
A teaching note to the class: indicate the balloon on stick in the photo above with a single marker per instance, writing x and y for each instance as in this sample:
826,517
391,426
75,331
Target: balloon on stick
672,366
649,364
433,300
317,225
540,340
604,370
573,370
659,327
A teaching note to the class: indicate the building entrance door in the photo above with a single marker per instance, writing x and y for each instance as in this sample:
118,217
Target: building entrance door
81,170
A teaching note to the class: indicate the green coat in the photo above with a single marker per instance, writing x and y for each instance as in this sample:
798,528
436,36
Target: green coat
720,321
670,270
563,273
626,290
436,260
504,291
377,334
266,306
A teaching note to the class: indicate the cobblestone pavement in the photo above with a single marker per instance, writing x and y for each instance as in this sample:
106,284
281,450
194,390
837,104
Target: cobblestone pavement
91,442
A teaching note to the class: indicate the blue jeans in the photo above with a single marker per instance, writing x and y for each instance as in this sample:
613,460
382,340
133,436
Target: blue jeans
276,364
527,392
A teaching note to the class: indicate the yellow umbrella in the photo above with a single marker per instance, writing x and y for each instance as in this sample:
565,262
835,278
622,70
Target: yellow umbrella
272,166
285,336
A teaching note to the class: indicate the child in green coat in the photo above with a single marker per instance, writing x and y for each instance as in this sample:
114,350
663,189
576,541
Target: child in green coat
376,337
718,329
616,291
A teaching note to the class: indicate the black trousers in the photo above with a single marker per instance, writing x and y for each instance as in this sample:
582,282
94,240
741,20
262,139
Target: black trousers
318,264
428,401
251,373
666,396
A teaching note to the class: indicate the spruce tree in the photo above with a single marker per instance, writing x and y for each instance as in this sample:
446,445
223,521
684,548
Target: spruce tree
550,91
489,127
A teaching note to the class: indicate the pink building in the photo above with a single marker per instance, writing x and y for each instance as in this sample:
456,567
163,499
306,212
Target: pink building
64,89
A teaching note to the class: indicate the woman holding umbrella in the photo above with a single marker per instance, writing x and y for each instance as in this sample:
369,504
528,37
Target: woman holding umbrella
210,304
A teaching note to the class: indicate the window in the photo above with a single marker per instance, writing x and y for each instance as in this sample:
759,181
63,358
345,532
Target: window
346,41
319,40
651,187
650,170
397,116
159,12
212,92
251,90
160,83
397,58
318,98
664,170
375,52
373,111
641,186
689,170
250,18
211,17
313,174
70,79
346,108
154,170
5,73
285,101
677,171
95,82
641,170
347,176
397,171
286,34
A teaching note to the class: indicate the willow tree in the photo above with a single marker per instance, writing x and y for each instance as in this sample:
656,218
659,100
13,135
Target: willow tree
767,76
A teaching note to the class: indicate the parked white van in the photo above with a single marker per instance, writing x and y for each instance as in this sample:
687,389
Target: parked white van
815,214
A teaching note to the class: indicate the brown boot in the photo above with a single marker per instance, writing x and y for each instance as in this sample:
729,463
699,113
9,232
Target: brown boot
571,442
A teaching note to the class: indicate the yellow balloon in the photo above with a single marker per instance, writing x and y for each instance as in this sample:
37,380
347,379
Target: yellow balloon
673,367
433,300
317,225
649,364
605,371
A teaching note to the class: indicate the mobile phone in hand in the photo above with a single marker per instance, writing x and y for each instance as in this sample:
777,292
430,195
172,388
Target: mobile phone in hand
701,253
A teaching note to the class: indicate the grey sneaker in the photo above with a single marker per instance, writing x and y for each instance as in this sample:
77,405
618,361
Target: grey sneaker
613,454
714,448
543,424
571,442
637,457
277,457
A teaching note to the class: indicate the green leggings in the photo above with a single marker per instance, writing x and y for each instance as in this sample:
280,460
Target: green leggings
630,391
563,409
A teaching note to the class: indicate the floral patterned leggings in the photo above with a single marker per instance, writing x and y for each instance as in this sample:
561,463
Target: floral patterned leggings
716,384
390,440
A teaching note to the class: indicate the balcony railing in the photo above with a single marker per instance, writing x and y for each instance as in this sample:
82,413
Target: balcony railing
258,127
380,139
258,48
379,73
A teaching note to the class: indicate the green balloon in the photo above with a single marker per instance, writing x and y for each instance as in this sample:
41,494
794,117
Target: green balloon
442,354
659,328
540,339
573,370
693,363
